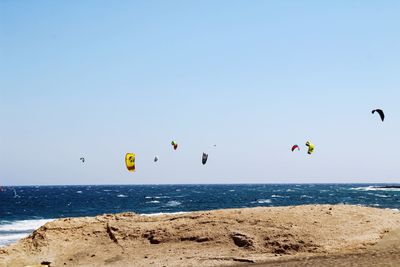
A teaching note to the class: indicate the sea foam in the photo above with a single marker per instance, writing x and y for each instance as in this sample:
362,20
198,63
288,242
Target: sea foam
11,231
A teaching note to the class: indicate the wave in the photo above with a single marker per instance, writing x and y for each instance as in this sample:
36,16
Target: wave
153,201
380,195
121,195
23,225
11,231
173,203
374,188
7,237
264,201
11,238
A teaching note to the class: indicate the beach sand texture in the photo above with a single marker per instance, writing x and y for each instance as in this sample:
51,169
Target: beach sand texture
310,235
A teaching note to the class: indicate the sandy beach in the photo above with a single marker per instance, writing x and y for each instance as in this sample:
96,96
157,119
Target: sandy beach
310,235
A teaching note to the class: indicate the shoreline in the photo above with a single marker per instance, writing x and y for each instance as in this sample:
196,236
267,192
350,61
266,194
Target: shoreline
206,238
40,222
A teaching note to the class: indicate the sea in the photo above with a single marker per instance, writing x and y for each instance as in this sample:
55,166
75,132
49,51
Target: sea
25,208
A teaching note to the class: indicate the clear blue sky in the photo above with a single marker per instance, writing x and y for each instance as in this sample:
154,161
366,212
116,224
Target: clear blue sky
101,78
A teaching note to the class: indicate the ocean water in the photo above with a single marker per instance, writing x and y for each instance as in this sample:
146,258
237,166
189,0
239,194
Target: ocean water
23,209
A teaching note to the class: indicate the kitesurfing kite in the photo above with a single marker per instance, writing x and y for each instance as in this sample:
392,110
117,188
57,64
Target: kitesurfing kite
380,112
310,147
174,144
204,158
295,147
130,162
155,158
83,160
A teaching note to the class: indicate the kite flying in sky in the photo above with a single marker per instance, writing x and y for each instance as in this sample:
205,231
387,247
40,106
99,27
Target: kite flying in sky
380,112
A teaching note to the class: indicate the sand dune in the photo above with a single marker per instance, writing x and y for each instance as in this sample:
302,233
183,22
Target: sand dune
282,236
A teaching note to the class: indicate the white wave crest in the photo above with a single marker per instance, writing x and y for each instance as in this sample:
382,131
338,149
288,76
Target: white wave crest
11,238
11,231
264,201
380,195
375,188
157,197
173,203
7,237
24,225
153,201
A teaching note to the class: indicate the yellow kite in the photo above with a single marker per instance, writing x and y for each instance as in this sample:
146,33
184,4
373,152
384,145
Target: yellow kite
130,162
310,147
